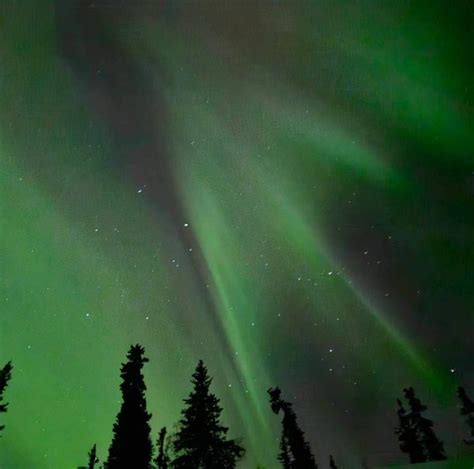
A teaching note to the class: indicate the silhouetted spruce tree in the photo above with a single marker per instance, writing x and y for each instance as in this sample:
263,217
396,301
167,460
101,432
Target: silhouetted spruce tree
332,464
5,376
434,449
131,445
295,452
93,459
467,409
408,436
162,460
200,441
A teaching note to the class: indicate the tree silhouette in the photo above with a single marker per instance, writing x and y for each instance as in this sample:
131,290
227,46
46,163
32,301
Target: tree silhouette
93,459
131,444
284,456
201,442
467,409
295,452
408,436
5,376
332,464
433,447
162,460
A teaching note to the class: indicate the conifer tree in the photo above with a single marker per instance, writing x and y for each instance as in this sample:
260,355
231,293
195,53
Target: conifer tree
408,436
295,452
93,459
131,444
5,376
434,449
332,464
162,460
201,440
467,409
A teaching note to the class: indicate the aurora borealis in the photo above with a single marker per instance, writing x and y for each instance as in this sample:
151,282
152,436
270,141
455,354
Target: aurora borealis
283,189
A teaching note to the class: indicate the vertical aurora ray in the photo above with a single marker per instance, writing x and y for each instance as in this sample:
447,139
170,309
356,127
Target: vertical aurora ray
316,140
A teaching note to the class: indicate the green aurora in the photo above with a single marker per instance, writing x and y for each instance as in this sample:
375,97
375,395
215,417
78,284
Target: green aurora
322,154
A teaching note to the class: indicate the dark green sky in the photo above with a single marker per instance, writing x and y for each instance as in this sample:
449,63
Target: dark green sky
283,189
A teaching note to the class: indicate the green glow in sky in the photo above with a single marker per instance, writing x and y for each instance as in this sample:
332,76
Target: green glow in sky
320,152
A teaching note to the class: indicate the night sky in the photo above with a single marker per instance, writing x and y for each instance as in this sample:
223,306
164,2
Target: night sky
283,189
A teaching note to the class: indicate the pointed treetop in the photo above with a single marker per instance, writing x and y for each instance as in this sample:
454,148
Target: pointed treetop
5,376
201,440
131,444
93,459
201,376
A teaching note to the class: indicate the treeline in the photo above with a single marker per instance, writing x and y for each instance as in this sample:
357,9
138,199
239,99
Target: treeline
200,440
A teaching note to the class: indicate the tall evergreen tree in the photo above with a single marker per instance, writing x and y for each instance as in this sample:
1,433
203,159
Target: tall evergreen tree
295,452
408,436
332,464
131,444
434,449
201,441
162,460
93,459
5,376
467,409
